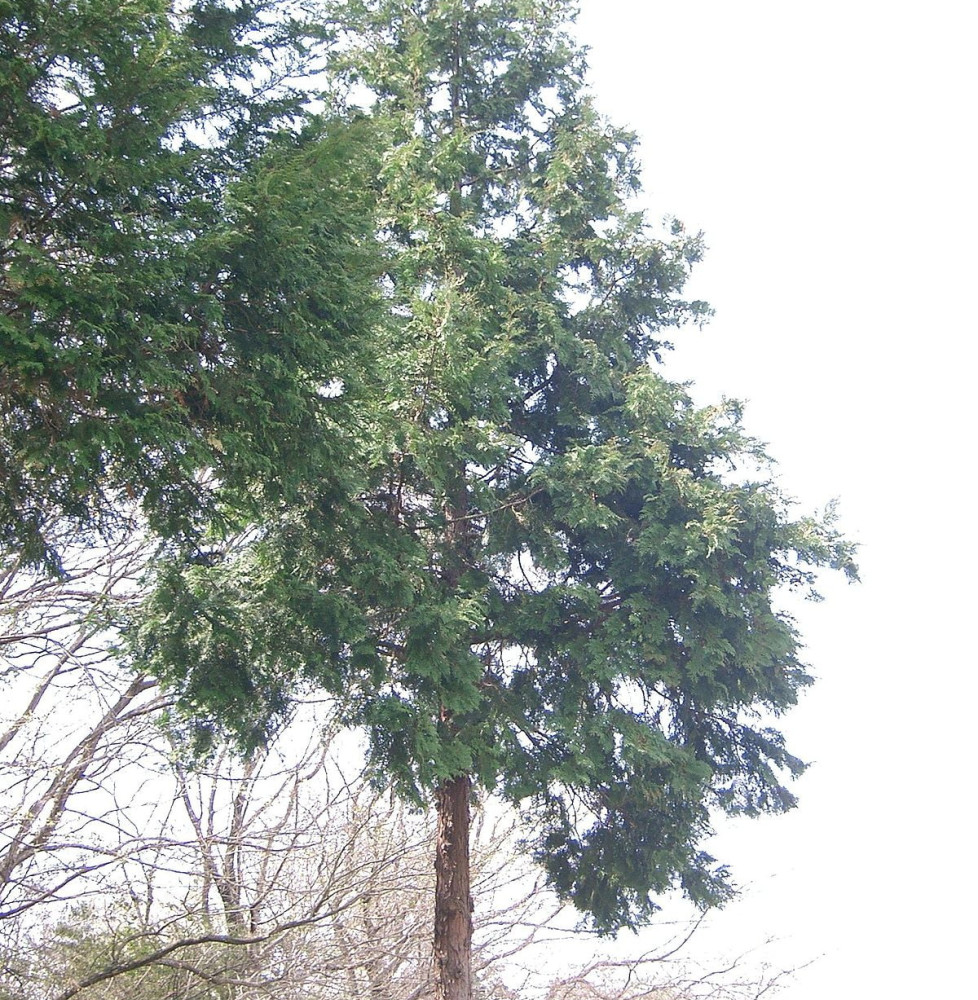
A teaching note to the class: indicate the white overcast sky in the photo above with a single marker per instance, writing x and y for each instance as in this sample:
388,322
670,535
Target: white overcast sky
828,152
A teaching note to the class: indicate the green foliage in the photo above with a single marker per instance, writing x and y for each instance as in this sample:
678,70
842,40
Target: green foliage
110,949
549,576
172,298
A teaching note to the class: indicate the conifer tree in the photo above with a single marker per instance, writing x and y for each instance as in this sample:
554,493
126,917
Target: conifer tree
550,584
149,329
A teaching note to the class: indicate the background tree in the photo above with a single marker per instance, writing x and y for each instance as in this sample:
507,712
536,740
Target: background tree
555,587
154,321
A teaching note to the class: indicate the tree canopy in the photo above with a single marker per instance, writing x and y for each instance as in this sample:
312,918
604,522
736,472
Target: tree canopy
176,293
547,575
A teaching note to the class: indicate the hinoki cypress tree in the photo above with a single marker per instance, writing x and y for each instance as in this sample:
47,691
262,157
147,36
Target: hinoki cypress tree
549,583
161,313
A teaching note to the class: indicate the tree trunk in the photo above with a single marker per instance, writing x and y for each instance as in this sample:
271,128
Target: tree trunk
453,896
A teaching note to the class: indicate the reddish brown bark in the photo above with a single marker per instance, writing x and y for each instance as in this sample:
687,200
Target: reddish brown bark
453,895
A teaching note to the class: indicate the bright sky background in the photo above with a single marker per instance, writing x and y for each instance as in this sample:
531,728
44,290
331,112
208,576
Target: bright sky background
828,151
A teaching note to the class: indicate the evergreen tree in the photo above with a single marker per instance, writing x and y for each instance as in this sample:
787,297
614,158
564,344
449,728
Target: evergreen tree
550,584
158,319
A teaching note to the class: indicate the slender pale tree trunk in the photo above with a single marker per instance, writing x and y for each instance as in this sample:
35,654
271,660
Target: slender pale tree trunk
453,894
